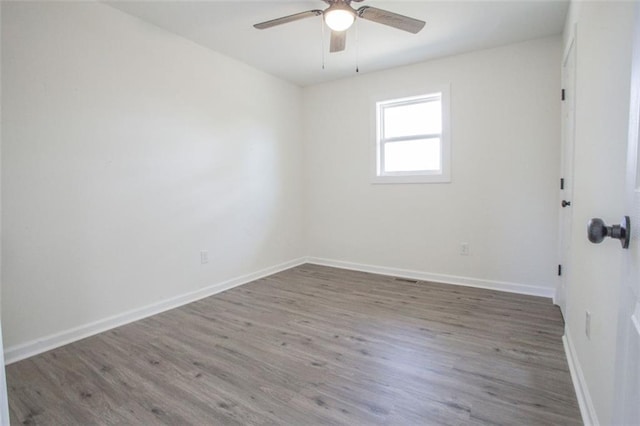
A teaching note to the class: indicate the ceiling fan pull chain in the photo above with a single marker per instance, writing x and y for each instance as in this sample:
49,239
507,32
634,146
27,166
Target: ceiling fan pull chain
357,47
322,40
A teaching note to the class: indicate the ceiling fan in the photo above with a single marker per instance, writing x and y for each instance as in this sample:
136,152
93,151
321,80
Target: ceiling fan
339,16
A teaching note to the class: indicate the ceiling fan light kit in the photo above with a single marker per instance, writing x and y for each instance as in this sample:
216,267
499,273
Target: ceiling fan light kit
339,17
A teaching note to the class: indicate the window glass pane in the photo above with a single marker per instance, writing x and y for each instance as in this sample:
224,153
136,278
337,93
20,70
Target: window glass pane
424,118
407,156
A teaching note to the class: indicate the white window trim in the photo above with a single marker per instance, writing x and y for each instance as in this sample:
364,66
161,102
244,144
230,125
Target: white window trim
440,176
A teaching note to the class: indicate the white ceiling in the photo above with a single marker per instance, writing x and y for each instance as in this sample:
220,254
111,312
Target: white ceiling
294,51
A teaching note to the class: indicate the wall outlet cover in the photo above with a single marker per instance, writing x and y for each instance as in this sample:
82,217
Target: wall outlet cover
587,324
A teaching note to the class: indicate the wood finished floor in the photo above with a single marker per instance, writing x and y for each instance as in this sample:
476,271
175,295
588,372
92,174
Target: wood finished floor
313,345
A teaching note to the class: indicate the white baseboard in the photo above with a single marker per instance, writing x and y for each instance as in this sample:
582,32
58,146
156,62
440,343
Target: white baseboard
441,278
34,347
587,410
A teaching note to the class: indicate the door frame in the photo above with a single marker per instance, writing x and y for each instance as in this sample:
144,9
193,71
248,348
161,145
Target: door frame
4,397
567,145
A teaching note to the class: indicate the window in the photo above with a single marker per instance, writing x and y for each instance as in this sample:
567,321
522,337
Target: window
412,139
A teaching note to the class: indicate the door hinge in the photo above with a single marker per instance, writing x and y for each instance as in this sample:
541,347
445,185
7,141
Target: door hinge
562,96
559,270
561,183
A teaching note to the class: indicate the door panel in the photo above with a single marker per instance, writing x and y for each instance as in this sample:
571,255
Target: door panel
627,387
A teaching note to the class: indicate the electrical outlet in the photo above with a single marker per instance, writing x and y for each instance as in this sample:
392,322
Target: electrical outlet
464,249
204,257
587,324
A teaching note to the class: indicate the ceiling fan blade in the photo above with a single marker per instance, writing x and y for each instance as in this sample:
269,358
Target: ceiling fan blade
287,19
391,19
338,41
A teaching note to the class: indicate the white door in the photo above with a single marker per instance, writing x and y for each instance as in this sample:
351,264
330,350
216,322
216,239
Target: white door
627,387
566,181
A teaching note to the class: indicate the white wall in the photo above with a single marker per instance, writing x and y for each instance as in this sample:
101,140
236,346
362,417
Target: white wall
604,35
4,400
502,199
127,151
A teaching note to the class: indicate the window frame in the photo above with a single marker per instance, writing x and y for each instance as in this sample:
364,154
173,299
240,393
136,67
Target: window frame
416,176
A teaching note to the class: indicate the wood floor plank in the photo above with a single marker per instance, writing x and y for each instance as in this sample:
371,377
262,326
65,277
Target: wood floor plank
313,345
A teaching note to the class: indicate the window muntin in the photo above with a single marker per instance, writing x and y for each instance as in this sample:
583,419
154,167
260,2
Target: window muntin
412,139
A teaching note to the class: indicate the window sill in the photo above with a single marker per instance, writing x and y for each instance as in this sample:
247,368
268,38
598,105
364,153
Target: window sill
410,179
